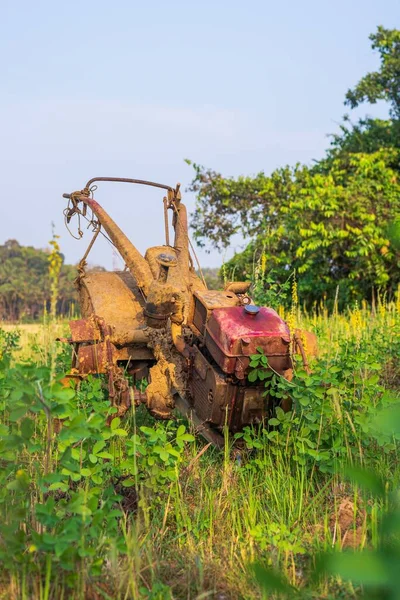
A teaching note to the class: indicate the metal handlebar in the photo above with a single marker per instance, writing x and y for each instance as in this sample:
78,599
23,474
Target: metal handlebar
173,199
127,180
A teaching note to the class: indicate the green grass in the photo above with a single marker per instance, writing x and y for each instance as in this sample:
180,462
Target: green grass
191,523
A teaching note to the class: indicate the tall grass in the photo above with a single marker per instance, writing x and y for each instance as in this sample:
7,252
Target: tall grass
207,516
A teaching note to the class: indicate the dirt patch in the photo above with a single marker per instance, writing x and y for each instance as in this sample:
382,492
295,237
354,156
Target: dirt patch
129,501
347,524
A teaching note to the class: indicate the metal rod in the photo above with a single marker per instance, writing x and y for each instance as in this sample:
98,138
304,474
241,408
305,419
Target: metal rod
127,180
165,200
96,233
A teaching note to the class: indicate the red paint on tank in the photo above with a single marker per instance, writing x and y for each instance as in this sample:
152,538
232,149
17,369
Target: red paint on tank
232,335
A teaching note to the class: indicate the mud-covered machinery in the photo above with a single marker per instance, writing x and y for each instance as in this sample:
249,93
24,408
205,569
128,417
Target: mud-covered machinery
157,319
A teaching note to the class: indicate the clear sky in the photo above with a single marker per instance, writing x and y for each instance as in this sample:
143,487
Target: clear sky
128,88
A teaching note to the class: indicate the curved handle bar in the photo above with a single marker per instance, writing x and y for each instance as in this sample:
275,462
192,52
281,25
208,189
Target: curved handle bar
127,180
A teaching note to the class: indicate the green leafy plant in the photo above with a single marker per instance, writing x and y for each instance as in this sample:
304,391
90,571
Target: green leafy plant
59,455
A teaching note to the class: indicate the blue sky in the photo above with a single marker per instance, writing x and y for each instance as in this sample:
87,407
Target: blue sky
131,89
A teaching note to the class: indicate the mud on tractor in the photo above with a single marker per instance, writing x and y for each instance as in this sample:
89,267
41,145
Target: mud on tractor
157,320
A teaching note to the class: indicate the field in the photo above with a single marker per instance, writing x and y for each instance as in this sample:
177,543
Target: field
147,510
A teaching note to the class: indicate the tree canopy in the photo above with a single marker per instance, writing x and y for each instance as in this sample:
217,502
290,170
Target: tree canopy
383,84
337,222
369,135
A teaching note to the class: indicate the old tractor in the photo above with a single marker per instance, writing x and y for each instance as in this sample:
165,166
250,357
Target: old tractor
157,320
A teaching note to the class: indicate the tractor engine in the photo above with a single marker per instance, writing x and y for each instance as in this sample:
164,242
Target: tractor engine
219,388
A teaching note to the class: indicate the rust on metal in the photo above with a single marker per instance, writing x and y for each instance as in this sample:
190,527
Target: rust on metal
85,330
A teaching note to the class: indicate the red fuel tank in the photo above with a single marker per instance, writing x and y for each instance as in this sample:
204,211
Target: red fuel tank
234,333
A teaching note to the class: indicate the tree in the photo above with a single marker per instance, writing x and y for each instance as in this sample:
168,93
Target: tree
368,135
332,228
383,84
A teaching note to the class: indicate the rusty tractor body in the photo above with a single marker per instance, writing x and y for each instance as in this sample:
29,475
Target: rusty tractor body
157,319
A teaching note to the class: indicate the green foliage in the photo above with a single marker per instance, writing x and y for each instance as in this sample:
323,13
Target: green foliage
366,136
60,496
268,292
137,509
375,569
383,84
331,228
9,341
271,581
55,264
337,409
342,416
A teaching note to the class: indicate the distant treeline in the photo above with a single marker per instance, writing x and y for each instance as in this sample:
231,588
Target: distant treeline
25,286
25,283
212,277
